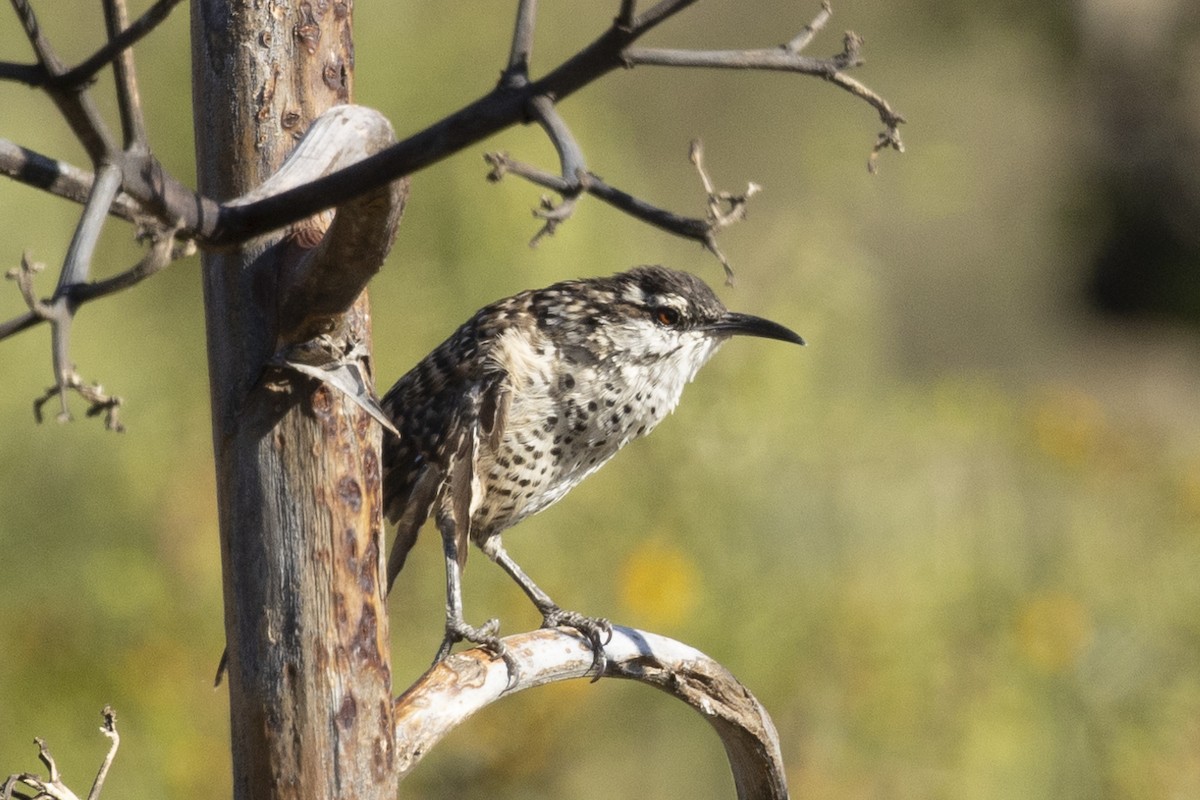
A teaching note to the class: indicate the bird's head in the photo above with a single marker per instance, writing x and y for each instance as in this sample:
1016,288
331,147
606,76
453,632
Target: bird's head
664,316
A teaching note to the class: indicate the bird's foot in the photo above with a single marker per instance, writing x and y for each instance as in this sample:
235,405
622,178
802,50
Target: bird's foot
484,636
596,630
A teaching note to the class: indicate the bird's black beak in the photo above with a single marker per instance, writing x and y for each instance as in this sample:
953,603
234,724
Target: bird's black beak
735,324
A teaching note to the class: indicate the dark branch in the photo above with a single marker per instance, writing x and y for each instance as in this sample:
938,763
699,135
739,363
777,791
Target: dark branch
147,22
724,208
61,179
37,75
73,103
508,105
669,221
161,195
626,14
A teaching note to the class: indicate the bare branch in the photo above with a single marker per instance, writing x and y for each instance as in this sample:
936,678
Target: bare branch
32,74
87,232
724,208
33,31
133,122
60,178
660,12
73,103
570,156
626,14
109,729
148,188
164,248
506,106
517,72
787,58
119,43
38,75
476,678
801,40
71,293
700,230
53,787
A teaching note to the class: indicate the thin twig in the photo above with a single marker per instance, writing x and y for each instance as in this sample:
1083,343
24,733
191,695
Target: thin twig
99,402
133,122
164,248
129,36
687,227
87,232
801,40
33,31
627,13
516,74
724,208
658,13
787,58
37,75
53,786
570,156
23,276
109,729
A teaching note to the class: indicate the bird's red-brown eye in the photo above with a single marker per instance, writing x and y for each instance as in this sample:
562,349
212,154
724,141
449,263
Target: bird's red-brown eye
666,316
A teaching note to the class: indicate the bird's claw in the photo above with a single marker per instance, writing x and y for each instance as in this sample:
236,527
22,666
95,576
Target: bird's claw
485,636
596,630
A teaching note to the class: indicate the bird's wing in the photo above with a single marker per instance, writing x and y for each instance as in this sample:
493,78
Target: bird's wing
493,411
412,517
463,488
481,418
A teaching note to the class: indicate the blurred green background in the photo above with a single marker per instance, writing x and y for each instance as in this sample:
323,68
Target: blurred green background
953,545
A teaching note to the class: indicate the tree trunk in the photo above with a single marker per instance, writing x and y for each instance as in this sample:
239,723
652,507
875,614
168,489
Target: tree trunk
297,465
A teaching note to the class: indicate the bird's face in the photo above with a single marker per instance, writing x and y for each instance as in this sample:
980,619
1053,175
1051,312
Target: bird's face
672,322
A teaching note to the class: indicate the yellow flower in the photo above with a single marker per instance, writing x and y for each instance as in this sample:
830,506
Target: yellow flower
1052,630
659,583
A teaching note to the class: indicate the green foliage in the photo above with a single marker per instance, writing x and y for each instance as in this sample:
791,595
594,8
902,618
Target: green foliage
952,545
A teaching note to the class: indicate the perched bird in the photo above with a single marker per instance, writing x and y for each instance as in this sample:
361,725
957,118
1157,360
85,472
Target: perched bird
529,397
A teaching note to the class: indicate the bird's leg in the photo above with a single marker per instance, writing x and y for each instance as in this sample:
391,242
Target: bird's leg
597,631
457,629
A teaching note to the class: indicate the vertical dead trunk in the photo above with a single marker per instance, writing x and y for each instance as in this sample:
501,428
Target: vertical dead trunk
297,471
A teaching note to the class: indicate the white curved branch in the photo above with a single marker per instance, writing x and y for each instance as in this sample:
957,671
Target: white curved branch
454,689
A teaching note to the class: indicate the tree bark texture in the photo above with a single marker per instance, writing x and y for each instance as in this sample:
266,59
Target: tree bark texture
297,464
